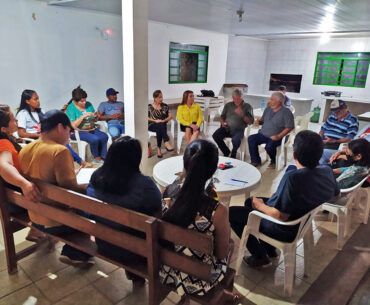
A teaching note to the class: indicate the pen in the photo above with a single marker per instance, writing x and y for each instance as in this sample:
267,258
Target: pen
239,180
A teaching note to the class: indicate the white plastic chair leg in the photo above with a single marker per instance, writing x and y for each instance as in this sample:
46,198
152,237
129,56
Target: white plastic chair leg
242,246
341,229
307,246
364,197
289,262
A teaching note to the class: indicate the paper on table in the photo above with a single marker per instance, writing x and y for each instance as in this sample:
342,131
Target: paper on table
235,183
83,177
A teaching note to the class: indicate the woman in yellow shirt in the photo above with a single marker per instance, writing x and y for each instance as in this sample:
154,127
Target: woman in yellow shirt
190,116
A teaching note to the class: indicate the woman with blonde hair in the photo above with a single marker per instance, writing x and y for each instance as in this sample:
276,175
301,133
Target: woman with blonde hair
190,116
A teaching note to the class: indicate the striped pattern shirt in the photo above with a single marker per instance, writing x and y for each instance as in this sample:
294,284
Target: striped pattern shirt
345,128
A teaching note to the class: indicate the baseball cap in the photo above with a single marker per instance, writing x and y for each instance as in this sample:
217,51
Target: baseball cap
337,104
52,118
282,87
111,91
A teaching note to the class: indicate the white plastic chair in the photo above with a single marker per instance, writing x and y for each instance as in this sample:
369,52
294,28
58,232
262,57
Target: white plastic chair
81,145
287,249
209,107
342,208
103,126
152,134
301,122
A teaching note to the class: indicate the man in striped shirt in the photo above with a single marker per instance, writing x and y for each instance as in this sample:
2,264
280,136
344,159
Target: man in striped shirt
340,127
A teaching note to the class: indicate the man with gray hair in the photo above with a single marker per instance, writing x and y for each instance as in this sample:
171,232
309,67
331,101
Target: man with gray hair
235,116
276,121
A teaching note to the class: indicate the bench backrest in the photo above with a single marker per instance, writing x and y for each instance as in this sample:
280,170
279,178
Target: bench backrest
153,228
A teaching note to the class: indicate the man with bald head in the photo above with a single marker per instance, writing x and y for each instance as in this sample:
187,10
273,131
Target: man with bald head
276,121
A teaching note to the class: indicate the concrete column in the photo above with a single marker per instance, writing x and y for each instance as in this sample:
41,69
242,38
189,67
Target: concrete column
135,71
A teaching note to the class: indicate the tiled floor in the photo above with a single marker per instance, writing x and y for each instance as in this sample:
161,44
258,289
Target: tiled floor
42,278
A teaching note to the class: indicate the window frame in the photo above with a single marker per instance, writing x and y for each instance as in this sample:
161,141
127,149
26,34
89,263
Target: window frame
177,50
343,58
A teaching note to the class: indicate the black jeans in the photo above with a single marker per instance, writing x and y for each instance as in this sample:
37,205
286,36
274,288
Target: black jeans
236,138
161,130
238,217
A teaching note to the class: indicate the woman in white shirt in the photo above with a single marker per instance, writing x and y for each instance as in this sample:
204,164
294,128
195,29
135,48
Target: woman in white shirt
28,115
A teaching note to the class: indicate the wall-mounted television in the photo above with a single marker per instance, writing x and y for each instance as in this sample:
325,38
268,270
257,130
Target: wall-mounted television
291,81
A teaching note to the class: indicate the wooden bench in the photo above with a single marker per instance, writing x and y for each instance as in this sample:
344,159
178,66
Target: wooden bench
148,247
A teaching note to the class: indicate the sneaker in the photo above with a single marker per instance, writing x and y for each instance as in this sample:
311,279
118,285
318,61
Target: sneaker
97,162
271,165
257,262
76,262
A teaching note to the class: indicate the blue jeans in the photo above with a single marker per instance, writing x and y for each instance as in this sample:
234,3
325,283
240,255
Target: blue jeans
67,250
257,139
115,130
325,158
97,139
236,138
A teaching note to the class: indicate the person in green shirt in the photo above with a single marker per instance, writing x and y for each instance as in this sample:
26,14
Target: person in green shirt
82,116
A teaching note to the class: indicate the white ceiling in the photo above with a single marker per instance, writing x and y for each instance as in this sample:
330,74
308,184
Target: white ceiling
270,19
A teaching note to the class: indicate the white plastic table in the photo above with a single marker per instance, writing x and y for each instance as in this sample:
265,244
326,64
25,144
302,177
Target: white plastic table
164,173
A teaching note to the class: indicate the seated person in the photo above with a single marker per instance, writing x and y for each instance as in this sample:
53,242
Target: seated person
113,112
9,166
351,164
277,121
119,182
287,100
158,116
49,160
235,117
28,115
340,127
194,209
301,190
190,116
82,116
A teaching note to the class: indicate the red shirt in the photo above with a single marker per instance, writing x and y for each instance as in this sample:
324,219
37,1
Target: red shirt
6,145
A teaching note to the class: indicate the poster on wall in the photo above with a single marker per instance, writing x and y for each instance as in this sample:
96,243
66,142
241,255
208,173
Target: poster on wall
291,81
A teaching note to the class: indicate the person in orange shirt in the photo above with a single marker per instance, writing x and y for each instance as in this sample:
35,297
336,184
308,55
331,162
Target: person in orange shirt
9,165
49,160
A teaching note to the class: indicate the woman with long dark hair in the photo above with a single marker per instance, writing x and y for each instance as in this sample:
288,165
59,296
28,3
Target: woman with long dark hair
193,208
9,165
83,117
190,116
119,181
158,116
28,115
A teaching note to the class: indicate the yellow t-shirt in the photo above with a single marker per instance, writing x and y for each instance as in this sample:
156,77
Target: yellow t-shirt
187,116
50,162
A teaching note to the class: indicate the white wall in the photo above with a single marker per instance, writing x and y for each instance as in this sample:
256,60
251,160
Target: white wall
56,52
246,62
160,35
298,56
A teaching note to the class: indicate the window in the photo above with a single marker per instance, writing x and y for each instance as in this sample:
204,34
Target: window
341,69
187,63
291,81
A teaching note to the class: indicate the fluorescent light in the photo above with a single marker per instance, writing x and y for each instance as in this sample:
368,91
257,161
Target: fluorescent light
325,38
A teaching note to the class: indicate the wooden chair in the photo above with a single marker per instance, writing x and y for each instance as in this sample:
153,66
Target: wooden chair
148,247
